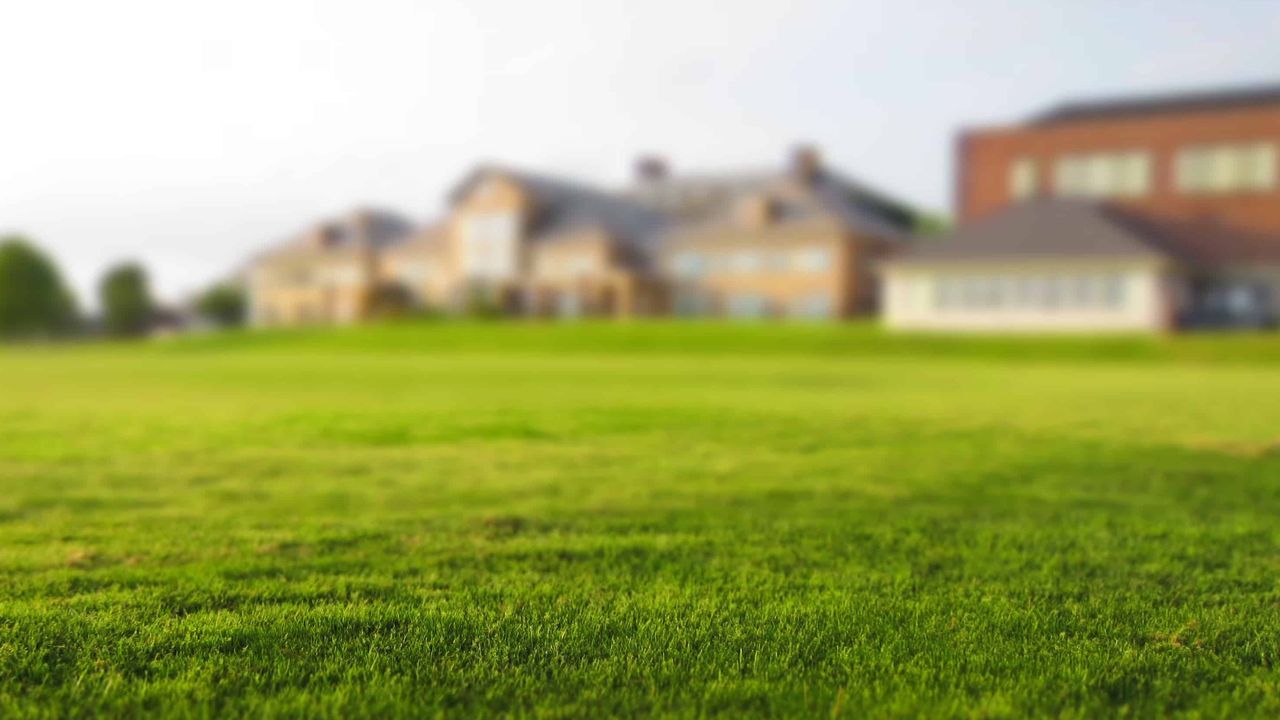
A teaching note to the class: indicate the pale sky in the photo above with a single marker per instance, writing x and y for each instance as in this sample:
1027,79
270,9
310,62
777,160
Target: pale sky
187,134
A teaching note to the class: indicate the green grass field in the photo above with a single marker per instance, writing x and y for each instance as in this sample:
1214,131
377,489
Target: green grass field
636,520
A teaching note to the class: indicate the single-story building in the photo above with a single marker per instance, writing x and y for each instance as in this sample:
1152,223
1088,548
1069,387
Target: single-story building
1073,265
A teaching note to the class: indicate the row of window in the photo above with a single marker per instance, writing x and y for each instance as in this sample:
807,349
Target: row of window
568,266
753,305
690,264
304,276
1082,291
1249,167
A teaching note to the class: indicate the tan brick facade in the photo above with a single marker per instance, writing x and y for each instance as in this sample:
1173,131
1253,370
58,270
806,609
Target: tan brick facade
792,245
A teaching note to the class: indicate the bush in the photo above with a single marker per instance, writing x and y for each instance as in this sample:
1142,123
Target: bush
223,305
483,303
34,302
390,300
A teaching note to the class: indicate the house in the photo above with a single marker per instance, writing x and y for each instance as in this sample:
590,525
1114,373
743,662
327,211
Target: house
325,275
1143,214
798,242
795,242
539,245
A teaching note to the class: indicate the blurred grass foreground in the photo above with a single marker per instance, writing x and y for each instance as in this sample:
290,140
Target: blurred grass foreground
629,520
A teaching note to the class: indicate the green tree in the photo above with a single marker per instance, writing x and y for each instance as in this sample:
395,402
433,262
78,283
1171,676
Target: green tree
931,225
223,305
34,302
127,309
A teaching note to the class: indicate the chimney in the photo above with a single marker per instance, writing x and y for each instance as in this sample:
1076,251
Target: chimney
362,222
806,162
324,235
650,169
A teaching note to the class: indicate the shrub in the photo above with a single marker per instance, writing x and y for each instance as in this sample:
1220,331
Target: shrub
223,305
34,302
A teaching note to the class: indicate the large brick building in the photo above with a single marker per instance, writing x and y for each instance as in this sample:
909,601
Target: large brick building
1136,214
1201,156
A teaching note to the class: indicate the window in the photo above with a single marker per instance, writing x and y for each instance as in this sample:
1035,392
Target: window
1020,292
489,246
1023,179
569,305
1125,174
777,261
692,304
414,273
579,264
813,260
748,306
815,306
1227,168
1113,291
689,265
745,262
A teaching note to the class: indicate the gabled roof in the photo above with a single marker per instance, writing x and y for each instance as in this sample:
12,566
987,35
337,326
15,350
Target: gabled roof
1070,229
565,206
1044,229
711,199
425,239
1159,104
360,228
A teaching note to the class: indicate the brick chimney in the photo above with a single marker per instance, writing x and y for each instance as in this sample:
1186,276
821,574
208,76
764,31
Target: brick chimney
806,162
651,169
362,222
324,235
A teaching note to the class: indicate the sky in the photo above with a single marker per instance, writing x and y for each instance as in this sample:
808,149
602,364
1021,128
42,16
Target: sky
188,135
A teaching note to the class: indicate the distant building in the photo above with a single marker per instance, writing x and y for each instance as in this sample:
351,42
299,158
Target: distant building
326,275
799,242
1195,156
796,242
1142,214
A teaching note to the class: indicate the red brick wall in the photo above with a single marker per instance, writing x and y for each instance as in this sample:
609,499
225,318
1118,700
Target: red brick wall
984,157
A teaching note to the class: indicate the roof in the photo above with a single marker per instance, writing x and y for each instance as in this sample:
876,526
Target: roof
1220,99
566,206
709,199
1209,242
428,238
360,228
1040,229
1056,228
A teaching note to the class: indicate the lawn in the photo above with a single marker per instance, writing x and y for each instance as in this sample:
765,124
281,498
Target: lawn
637,520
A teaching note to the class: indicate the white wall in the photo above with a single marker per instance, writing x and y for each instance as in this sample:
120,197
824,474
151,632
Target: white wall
923,298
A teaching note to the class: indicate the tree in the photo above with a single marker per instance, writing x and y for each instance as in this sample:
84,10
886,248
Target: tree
127,309
222,305
34,302
931,225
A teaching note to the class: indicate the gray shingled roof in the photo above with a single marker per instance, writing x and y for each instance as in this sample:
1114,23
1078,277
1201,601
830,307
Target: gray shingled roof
382,228
707,199
1047,229
565,206
1155,104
